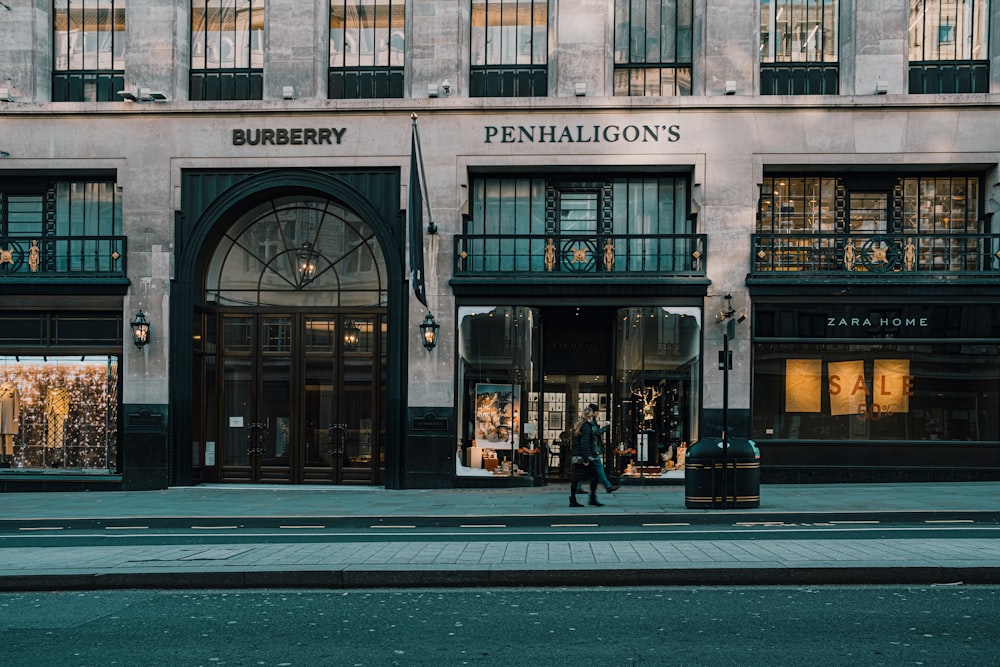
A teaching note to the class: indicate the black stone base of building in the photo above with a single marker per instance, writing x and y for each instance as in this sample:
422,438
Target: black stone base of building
145,457
34,482
497,482
842,475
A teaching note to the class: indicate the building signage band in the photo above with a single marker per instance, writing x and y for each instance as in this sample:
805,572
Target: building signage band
581,134
288,136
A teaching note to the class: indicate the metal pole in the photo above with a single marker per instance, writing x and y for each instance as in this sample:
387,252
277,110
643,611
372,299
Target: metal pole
729,333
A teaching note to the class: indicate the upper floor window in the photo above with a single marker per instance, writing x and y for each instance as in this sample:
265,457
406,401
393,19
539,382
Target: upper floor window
88,49
798,47
948,46
653,47
509,48
51,227
587,225
875,224
227,49
367,45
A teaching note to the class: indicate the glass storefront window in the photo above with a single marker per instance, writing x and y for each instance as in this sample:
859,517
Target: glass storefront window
498,350
878,391
526,374
658,362
59,412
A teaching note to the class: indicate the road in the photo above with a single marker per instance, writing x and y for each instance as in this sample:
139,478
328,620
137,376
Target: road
950,625
289,531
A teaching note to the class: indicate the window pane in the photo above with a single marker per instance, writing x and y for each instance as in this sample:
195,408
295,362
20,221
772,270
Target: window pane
367,33
875,392
88,35
227,34
942,30
68,411
798,30
511,32
653,49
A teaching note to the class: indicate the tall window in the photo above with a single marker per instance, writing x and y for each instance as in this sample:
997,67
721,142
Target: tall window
798,47
227,49
509,48
869,224
948,46
60,227
653,47
366,48
613,225
88,44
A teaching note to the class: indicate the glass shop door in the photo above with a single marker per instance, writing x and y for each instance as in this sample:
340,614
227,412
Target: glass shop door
299,398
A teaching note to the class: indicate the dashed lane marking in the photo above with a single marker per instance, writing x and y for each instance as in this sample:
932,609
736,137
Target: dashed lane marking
301,527
845,523
482,525
663,525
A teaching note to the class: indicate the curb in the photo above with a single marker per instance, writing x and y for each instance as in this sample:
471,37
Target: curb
696,517
504,578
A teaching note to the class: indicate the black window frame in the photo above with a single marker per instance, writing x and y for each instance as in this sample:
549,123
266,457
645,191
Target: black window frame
636,73
353,74
499,71
930,70
244,79
91,81
794,69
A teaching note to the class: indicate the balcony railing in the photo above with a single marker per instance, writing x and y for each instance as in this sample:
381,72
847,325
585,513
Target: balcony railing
62,256
877,253
575,254
972,76
352,83
799,78
508,81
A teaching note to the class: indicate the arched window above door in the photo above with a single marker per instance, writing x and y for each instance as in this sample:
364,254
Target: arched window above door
298,251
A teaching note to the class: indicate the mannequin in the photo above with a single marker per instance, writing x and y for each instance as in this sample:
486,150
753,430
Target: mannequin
10,415
56,410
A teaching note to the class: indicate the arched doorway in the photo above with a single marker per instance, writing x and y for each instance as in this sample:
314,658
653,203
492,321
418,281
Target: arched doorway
291,344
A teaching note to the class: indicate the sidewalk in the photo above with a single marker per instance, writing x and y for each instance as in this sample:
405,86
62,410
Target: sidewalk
483,546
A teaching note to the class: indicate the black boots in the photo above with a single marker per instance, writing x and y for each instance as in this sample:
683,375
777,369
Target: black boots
573,502
594,501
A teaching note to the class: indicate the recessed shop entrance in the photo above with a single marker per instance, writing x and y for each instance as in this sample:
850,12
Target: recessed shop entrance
528,372
290,349
297,397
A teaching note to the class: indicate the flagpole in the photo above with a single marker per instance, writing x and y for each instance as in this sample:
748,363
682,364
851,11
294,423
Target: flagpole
431,227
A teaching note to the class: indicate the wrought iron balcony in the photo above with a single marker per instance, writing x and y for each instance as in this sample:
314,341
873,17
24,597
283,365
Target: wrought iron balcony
877,253
581,254
62,256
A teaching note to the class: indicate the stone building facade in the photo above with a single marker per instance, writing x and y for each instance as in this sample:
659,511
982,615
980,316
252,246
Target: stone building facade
590,199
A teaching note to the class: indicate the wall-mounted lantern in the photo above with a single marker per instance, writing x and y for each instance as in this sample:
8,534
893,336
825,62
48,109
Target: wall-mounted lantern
429,331
140,330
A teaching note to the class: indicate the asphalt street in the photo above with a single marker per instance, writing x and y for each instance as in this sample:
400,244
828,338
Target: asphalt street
952,625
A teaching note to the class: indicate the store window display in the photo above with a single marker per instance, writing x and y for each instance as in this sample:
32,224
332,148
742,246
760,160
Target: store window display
59,412
10,414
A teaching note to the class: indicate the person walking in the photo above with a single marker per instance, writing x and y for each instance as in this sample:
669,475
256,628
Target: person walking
587,462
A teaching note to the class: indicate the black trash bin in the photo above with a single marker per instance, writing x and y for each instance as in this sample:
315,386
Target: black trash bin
714,482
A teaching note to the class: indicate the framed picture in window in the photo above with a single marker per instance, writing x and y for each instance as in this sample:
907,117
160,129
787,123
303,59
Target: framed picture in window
555,421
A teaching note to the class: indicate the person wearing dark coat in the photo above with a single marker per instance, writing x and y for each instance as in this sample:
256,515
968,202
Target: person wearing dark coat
587,462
